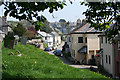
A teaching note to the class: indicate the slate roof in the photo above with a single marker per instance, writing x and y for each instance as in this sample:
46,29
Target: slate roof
86,29
83,50
44,34
54,33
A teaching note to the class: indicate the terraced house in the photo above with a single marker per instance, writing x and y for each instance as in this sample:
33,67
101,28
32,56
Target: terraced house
110,55
84,43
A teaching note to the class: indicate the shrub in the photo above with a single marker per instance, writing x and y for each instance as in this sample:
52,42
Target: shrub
45,45
67,54
9,40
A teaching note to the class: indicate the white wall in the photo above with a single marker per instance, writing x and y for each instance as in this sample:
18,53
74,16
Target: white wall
92,44
108,50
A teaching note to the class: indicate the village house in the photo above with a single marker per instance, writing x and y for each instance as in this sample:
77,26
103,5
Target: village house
107,56
56,39
110,55
4,27
48,39
83,43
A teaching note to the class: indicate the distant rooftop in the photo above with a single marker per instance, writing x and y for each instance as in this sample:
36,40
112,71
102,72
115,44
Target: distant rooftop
44,34
54,33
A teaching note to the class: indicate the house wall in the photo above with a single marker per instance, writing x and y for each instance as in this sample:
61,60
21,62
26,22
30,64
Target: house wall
92,44
108,50
117,60
76,46
49,41
57,40
68,40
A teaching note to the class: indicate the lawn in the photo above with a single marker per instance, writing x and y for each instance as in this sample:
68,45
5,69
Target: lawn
35,63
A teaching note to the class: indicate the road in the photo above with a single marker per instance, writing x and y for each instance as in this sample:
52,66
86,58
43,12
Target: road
68,62
59,47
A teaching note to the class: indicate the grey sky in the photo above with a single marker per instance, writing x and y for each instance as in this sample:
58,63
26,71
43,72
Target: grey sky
71,12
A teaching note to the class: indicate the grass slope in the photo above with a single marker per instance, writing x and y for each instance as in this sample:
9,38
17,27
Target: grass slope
35,63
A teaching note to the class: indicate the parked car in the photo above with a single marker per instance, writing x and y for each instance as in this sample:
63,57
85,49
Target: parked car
57,52
47,49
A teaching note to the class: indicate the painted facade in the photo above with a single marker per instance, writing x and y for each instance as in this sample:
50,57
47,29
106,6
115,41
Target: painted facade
84,43
48,39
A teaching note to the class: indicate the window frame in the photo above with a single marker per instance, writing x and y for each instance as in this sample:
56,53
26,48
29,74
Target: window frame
106,59
109,59
69,39
106,40
80,39
85,39
45,38
101,40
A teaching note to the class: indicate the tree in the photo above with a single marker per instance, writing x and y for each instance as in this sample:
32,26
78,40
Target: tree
32,29
19,30
29,10
102,14
46,27
30,34
62,20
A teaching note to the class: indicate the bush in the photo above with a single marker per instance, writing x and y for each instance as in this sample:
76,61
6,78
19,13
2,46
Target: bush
103,71
38,38
19,30
67,54
9,40
45,45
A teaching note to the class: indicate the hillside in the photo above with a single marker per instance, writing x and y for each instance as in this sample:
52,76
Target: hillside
35,63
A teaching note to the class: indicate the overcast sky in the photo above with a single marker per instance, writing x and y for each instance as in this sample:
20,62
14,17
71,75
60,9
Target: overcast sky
71,12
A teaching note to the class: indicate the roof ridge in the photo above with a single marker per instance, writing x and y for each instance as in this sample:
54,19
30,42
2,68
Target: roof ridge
90,29
81,27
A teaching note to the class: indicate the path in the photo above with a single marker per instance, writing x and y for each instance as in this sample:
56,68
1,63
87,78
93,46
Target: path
68,62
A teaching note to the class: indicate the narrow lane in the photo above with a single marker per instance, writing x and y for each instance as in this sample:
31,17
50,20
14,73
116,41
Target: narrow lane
68,62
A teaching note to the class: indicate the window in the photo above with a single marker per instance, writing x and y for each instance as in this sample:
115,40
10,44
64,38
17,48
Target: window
73,53
106,39
50,43
106,58
45,38
85,39
101,39
118,45
69,39
72,39
80,39
109,59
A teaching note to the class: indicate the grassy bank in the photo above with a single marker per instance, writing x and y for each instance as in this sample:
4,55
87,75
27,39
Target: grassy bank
35,63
